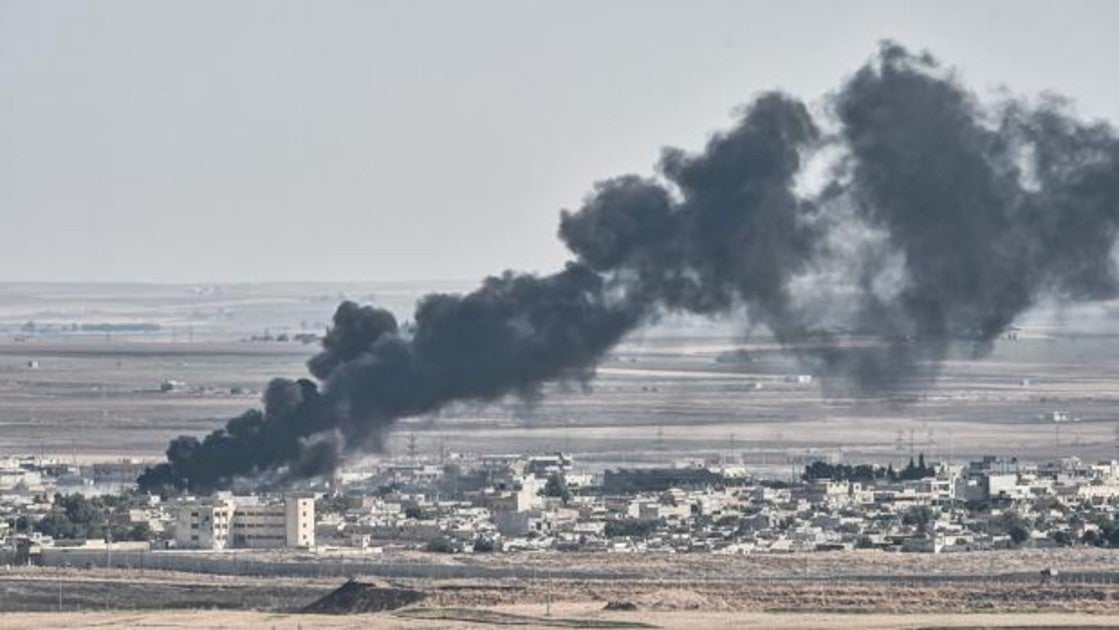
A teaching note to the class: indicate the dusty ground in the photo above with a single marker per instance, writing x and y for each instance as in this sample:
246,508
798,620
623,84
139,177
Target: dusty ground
821,565
51,590
691,619
1013,565
662,394
808,597
30,596
656,400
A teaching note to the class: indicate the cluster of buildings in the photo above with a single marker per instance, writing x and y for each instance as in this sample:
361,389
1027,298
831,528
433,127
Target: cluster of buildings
543,503
492,504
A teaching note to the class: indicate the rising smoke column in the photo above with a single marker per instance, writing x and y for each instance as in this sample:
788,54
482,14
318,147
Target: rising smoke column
942,220
989,207
506,338
724,230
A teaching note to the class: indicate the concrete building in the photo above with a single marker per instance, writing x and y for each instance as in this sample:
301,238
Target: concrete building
538,522
15,478
204,525
246,523
983,487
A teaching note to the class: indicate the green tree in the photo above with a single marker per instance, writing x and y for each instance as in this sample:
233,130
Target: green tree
58,525
634,528
482,544
443,544
919,516
140,531
80,510
336,504
557,487
1061,537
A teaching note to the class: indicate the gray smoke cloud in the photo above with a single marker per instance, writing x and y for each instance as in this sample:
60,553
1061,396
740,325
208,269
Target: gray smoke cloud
938,220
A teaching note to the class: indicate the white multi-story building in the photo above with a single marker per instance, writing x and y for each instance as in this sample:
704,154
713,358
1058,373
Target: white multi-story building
246,523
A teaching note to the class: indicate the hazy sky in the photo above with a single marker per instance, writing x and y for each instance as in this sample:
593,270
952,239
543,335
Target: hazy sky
195,141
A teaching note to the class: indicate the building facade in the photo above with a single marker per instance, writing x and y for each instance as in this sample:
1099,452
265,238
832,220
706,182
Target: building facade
227,522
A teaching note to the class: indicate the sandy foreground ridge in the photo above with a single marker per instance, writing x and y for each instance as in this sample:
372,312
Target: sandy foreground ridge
691,619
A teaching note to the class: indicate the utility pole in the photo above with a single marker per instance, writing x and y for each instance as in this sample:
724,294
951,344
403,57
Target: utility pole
548,595
412,446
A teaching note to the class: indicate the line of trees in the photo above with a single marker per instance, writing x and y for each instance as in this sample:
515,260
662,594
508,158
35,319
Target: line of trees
868,472
75,517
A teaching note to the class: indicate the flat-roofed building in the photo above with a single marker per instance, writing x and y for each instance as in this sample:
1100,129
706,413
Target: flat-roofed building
227,522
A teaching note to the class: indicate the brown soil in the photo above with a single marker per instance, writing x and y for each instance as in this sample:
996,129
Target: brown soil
355,597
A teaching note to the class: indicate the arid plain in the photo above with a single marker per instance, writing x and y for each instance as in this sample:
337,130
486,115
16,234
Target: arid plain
95,372
683,388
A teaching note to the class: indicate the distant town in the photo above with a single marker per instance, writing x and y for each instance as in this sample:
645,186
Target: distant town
60,514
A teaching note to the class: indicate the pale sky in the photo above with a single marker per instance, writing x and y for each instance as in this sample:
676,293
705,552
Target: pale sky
257,141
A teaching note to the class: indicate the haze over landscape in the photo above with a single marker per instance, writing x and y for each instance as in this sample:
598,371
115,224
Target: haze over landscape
355,141
763,299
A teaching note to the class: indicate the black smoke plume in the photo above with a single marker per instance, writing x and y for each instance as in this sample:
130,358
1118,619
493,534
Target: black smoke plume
935,221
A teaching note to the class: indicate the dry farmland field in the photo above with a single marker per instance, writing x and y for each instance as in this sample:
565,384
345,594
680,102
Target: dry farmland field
71,387
829,590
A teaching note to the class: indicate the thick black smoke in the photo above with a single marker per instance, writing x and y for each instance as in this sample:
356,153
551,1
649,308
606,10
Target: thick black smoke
937,221
508,337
